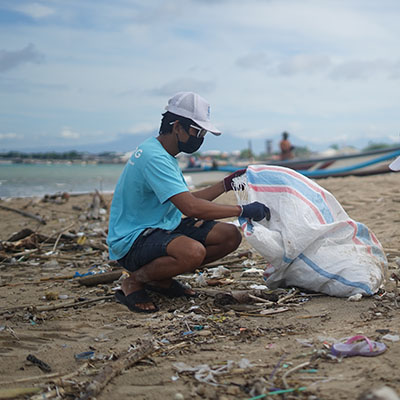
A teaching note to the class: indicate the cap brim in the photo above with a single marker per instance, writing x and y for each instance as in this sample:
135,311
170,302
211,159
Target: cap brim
395,165
208,126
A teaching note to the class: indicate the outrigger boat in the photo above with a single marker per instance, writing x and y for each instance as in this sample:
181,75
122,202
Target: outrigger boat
360,164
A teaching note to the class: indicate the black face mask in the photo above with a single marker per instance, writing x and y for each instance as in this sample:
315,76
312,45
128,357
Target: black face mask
191,146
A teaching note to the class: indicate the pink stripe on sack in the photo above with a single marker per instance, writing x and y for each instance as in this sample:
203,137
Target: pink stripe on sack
296,175
285,189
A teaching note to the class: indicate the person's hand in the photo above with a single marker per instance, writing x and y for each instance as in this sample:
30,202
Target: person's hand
228,179
256,211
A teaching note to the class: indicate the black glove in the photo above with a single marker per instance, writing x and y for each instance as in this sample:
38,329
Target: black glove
256,211
228,179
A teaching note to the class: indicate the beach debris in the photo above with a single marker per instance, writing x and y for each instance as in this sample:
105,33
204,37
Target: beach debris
18,392
112,369
382,393
86,355
206,374
100,278
98,207
56,198
358,345
41,364
355,297
219,272
25,214
391,338
252,272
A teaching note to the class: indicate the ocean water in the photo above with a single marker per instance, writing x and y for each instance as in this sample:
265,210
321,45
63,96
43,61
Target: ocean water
24,180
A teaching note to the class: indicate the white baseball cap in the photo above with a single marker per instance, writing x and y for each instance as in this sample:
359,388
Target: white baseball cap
395,165
191,105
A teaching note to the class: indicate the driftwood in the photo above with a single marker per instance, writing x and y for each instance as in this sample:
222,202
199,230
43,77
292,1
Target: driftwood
56,306
18,392
25,214
71,304
109,371
97,279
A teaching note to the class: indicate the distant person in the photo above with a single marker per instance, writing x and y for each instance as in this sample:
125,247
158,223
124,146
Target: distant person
286,147
147,234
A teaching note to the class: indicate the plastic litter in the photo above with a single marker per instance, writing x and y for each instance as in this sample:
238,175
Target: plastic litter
358,345
86,355
206,374
391,338
41,364
219,272
355,297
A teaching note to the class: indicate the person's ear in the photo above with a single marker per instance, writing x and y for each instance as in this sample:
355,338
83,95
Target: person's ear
175,127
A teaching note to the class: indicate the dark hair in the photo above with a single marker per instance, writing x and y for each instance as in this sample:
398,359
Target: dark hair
169,117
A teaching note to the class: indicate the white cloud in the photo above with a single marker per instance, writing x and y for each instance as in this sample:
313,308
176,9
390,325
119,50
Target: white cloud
67,133
7,136
143,128
35,10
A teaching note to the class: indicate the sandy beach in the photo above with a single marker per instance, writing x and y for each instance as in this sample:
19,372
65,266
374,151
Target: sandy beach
92,346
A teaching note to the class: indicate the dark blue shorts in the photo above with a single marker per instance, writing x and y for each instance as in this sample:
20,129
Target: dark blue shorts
152,243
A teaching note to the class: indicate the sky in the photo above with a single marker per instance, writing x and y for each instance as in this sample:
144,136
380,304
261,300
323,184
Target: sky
82,72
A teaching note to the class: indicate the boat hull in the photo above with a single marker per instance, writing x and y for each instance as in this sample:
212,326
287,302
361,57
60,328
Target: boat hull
360,164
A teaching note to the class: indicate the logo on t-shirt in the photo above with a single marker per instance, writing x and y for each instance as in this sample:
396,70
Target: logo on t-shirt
136,154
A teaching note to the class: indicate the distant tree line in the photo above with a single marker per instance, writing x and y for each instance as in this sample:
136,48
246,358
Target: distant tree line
52,155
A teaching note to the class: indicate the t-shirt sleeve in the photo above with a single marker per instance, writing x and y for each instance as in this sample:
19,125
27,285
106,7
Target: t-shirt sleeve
164,178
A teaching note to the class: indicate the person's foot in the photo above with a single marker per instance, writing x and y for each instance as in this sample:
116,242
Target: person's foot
170,288
136,301
129,286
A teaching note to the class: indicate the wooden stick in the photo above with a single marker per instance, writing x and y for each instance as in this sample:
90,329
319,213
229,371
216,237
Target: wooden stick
261,300
48,377
300,366
109,371
57,306
18,392
32,378
60,234
96,279
25,214
263,313
73,304
289,296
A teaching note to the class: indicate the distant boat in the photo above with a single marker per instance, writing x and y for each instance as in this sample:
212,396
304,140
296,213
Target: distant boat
360,164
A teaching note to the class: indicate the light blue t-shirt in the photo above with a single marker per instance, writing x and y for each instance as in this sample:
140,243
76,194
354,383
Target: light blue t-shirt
141,198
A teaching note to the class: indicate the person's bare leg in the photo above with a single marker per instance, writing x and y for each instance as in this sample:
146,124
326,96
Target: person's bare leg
184,255
222,239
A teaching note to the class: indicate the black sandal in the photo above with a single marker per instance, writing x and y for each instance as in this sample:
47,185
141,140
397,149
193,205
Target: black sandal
135,298
176,289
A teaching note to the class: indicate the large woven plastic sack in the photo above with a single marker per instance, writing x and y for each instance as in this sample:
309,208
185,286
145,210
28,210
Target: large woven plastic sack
310,242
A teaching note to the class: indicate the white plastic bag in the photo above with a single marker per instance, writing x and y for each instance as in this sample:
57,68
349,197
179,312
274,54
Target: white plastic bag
310,241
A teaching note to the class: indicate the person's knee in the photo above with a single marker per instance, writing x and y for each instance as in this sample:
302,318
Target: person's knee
234,237
192,255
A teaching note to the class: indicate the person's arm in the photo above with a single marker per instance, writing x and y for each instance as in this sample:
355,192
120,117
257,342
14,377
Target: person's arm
197,207
194,207
210,193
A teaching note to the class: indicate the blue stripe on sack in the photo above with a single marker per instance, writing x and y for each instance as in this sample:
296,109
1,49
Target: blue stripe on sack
287,259
268,177
336,277
364,235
